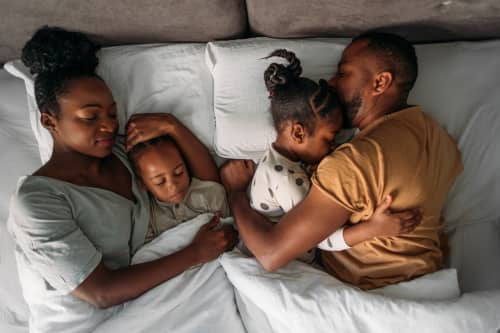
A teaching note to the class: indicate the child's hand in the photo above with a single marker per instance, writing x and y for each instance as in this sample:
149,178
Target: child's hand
143,127
237,174
385,223
212,240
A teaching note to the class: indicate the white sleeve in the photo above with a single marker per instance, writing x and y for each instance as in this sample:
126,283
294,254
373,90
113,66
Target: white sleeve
335,242
51,241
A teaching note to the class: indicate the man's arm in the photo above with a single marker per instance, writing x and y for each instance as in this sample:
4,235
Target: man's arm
302,228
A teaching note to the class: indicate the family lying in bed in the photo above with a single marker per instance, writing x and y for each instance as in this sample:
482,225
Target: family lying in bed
372,205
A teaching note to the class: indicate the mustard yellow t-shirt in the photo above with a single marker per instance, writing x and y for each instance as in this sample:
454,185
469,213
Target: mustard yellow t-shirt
405,154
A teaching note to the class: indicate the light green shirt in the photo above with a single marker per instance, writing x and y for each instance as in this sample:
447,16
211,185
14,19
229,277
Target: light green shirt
62,232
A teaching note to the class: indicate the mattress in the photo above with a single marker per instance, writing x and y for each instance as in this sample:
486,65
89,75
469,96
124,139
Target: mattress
476,244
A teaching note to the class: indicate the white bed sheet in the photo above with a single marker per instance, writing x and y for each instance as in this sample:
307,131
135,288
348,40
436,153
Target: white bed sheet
477,245
200,299
19,156
298,298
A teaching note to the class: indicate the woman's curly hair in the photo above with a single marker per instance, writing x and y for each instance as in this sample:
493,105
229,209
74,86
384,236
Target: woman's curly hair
55,57
296,98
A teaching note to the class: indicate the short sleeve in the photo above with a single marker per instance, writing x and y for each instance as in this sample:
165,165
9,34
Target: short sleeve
352,176
291,190
50,239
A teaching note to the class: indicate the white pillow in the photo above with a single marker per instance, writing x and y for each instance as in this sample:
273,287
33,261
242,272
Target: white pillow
241,105
145,78
299,298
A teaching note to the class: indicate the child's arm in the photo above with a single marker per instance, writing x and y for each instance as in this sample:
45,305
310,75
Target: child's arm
382,223
142,127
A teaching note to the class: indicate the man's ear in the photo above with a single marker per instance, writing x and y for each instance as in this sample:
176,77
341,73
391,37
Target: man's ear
298,133
382,82
49,121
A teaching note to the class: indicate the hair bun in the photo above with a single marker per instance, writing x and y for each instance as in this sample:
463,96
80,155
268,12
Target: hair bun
277,74
53,49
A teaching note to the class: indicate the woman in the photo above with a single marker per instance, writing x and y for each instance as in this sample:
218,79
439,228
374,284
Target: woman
80,217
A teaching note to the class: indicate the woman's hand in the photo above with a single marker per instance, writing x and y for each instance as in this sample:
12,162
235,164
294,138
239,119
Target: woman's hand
143,127
237,174
212,240
385,223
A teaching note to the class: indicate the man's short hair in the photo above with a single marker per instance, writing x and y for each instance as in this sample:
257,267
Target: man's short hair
397,54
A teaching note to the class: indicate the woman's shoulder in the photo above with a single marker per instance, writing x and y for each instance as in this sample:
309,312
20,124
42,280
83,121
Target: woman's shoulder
37,188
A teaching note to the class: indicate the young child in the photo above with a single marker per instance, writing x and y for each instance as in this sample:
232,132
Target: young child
176,195
307,117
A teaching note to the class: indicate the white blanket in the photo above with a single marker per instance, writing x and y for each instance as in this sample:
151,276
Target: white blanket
199,300
299,298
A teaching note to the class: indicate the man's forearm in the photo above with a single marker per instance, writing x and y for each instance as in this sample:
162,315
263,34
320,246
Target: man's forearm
254,228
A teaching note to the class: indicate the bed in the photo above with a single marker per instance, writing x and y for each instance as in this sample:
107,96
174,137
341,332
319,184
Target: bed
212,82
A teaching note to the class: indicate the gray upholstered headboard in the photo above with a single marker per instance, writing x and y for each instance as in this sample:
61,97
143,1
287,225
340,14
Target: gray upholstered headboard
144,21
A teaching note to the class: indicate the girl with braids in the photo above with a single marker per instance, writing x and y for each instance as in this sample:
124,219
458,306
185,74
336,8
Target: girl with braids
307,117
79,218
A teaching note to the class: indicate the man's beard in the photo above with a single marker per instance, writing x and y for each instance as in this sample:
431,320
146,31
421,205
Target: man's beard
350,109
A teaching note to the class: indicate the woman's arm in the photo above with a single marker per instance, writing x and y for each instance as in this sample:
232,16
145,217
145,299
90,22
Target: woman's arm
143,127
104,287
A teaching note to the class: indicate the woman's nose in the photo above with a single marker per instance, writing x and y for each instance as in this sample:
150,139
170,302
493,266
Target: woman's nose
109,124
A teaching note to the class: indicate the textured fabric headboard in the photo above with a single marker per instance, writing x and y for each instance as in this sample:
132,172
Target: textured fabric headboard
145,21
417,20
114,22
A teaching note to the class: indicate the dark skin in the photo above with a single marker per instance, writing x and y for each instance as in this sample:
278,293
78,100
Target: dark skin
276,245
84,132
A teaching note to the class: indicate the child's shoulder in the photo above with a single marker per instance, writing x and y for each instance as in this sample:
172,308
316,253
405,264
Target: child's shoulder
274,168
204,186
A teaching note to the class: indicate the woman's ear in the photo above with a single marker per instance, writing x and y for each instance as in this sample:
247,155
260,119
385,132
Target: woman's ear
298,133
382,82
49,121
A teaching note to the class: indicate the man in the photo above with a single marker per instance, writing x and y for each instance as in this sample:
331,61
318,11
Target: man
399,151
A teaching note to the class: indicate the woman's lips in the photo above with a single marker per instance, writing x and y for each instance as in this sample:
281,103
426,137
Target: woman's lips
108,142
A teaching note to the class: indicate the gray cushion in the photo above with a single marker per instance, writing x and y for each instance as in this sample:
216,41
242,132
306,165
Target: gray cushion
423,20
122,21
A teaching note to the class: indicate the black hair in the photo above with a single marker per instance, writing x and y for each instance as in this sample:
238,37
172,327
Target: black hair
396,54
294,97
55,57
136,150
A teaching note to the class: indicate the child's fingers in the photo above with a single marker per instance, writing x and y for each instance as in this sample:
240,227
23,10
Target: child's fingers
132,139
409,225
384,205
214,222
250,165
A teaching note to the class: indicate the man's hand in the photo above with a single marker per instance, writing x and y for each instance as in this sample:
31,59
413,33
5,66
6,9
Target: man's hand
385,223
237,174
